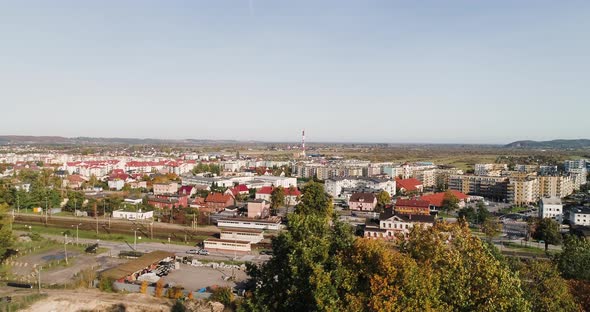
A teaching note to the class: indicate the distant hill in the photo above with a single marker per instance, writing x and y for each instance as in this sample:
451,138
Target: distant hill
553,144
57,140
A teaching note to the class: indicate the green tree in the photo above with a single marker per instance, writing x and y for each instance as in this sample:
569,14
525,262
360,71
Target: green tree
315,200
383,199
491,229
483,214
277,198
469,214
6,238
574,260
450,202
547,230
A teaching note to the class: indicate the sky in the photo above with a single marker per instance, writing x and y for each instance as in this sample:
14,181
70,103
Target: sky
345,71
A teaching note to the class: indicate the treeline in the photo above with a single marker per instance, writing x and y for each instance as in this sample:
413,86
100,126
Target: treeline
318,265
207,168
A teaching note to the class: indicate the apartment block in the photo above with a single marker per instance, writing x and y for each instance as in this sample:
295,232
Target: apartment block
555,186
487,186
490,169
523,190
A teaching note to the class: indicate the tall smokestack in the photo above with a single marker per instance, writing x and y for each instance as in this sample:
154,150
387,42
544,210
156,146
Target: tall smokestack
303,140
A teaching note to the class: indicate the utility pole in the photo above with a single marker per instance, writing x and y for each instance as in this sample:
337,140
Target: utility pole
96,217
39,276
46,209
65,246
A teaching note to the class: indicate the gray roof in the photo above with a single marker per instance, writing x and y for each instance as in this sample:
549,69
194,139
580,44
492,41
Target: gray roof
551,201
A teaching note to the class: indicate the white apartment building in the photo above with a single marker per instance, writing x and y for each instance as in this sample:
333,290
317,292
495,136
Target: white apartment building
579,177
580,216
551,207
334,186
490,169
427,177
575,164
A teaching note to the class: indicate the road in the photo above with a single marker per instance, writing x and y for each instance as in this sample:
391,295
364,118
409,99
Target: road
180,250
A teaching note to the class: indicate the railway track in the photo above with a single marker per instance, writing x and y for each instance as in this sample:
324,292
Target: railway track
105,226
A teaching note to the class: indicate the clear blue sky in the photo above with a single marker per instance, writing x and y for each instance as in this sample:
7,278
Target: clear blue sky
374,71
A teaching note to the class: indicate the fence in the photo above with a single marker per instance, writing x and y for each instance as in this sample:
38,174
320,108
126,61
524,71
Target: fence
133,288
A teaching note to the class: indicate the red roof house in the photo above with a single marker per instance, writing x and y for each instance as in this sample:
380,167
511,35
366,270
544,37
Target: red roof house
409,185
436,199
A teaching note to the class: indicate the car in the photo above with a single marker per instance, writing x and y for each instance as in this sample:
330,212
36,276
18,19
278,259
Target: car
192,251
266,252
203,252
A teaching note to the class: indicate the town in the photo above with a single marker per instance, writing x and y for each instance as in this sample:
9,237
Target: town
188,223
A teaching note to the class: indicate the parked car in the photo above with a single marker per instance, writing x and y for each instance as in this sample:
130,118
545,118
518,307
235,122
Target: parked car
266,252
203,252
192,251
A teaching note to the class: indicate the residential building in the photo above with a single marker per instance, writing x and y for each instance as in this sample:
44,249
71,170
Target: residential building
334,186
258,209
292,195
165,188
392,225
575,164
219,201
427,177
116,184
362,201
523,190
526,168
548,170
490,169
410,185
555,186
579,177
168,201
491,187
580,216
436,200
442,177
187,190
412,207
551,207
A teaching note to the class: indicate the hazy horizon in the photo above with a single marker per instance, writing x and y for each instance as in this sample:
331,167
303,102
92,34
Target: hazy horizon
459,72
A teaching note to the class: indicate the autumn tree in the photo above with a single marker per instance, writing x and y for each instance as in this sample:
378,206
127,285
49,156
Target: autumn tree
547,230
545,289
159,288
383,199
465,270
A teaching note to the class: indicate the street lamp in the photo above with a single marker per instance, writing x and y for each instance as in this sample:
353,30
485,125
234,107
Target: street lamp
77,236
135,239
65,246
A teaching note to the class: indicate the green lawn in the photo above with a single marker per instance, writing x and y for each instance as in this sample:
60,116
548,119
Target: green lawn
85,234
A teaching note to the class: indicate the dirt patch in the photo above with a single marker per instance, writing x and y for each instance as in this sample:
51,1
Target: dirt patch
93,300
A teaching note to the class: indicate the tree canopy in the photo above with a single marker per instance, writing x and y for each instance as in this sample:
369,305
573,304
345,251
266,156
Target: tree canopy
547,230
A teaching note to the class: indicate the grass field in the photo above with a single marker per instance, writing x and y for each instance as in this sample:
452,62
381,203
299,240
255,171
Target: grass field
85,234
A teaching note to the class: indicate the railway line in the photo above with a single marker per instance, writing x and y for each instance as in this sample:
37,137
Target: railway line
155,230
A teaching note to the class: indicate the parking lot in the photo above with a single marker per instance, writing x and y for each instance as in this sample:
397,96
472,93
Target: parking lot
195,278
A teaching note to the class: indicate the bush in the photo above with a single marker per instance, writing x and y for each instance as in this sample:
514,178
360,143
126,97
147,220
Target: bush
106,284
223,295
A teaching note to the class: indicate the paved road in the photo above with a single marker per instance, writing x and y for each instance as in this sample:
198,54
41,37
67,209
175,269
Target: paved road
180,250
